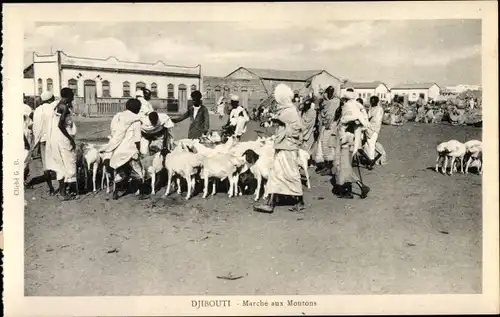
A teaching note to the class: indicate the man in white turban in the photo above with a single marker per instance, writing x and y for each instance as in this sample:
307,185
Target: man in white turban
41,120
144,96
238,118
284,174
351,121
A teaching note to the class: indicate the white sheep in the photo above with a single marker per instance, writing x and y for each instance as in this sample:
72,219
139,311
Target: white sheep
152,165
454,150
182,162
474,153
260,164
221,166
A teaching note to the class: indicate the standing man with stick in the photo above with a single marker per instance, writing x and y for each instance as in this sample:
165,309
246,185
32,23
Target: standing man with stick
350,123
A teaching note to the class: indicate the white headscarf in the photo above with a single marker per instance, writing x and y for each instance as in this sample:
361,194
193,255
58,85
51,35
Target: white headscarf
220,100
283,96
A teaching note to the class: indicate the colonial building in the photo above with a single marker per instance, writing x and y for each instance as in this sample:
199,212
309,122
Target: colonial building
102,86
366,90
254,85
413,91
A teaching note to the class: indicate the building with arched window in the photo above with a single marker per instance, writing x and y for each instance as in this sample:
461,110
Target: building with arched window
253,85
110,80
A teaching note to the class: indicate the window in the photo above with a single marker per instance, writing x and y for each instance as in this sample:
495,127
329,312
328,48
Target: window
73,85
50,84
364,95
193,88
140,85
126,89
369,94
209,92
154,90
413,94
170,91
106,89
359,95
40,86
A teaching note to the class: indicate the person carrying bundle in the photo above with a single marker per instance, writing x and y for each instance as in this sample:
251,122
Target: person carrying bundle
348,141
155,132
122,153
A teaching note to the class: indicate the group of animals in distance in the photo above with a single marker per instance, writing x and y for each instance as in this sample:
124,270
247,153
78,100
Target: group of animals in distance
454,152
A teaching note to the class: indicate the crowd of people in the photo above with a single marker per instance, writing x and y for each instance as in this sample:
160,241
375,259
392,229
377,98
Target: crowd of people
334,129
136,132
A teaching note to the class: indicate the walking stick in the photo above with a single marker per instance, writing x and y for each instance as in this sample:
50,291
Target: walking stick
359,169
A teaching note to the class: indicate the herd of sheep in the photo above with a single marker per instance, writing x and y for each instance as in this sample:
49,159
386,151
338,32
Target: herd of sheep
190,158
213,161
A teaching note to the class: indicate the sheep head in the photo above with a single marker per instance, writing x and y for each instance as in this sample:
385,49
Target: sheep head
250,156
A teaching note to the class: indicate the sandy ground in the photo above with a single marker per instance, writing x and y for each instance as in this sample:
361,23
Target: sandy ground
418,232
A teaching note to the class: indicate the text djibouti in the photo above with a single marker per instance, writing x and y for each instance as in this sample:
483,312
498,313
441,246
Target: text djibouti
211,303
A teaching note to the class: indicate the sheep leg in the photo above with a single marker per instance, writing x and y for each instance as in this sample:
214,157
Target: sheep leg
169,182
214,187
188,181
257,190
453,161
107,182
462,164
468,164
238,188
231,185
437,163
445,166
178,185
153,183
193,183
205,186
304,167
102,176
266,193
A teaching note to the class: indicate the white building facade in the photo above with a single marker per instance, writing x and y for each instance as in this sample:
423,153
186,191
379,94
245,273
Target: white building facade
413,91
367,90
96,81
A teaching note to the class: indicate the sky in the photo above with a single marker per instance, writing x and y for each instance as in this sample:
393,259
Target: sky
447,52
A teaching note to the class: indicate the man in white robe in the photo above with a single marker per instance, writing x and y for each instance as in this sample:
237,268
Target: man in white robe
375,115
238,118
41,120
155,131
123,148
61,146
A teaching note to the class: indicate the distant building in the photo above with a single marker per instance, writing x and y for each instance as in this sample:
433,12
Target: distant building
413,91
366,90
255,85
102,86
